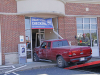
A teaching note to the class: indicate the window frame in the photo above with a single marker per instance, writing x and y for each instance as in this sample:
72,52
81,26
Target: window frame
48,44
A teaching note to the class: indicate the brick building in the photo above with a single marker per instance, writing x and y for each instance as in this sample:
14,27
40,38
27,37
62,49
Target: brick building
69,19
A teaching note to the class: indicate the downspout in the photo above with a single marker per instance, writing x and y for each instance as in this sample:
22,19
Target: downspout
55,31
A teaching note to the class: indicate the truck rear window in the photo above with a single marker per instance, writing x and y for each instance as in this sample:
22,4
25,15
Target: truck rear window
60,43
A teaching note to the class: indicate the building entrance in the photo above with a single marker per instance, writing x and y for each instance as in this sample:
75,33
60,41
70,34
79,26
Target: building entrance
35,36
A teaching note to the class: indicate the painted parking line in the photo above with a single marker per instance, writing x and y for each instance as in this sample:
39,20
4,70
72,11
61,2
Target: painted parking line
15,73
14,69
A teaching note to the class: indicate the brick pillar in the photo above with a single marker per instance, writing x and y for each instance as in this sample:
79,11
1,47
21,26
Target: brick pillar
67,28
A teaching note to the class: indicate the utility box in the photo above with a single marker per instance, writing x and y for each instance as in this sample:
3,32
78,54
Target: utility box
22,53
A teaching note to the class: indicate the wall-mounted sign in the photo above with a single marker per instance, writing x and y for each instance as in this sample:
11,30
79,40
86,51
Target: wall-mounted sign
40,23
21,38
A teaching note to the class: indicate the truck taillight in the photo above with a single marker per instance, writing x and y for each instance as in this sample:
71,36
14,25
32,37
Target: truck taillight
70,53
91,51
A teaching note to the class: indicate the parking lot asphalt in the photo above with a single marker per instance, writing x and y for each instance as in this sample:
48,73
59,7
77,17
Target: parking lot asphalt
27,66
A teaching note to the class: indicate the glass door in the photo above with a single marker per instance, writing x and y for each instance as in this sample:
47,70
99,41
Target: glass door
28,39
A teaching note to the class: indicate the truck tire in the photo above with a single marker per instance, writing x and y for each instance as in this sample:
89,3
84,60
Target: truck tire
60,62
35,57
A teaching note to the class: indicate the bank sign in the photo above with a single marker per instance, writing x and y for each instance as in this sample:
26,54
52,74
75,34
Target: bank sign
40,23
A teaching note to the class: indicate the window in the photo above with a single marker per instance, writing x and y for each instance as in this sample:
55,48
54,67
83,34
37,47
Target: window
49,45
79,26
60,43
43,45
88,26
55,44
65,43
28,33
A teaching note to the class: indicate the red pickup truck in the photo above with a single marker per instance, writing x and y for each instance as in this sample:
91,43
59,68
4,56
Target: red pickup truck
60,51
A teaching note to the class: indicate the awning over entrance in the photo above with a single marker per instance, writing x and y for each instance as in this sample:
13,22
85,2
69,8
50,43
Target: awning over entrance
41,8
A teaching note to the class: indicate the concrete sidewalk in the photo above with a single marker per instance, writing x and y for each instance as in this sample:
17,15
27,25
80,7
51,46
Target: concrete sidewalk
30,65
6,69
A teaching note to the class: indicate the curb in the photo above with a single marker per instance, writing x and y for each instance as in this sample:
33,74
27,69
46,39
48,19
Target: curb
38,67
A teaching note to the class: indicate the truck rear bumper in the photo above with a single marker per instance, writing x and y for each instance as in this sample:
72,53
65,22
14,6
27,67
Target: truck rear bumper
83,59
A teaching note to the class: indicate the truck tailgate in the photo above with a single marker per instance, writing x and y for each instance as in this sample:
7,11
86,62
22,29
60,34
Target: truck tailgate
81,51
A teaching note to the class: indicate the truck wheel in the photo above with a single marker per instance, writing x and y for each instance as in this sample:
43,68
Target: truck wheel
35,57
60,62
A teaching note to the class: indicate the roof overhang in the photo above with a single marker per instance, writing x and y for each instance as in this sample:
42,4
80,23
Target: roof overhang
42,14
82,1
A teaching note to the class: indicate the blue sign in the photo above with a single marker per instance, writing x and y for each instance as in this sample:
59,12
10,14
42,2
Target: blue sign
23,50
40,23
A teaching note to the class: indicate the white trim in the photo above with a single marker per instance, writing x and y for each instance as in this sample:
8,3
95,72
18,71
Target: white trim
31,41
34,12
91,16
63,1
11,53
75,1
46,12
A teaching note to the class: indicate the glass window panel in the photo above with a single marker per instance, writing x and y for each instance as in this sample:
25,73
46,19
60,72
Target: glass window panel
27,23
93,20
87,33
43,45
79,33
79,20
93,26
28,40
94,38
86,20
86,26
55,44
28,54
65,43
79,26
60,44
